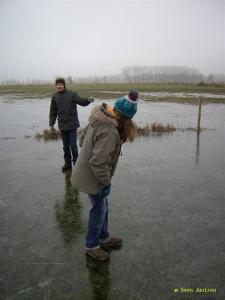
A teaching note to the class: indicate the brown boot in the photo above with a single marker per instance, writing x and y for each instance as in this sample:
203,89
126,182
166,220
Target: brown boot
98,254
113,242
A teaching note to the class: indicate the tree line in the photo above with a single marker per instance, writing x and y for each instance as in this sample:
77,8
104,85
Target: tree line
161,74
140,74
168,74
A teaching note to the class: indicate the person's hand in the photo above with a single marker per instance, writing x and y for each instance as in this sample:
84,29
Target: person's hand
91,99
52,129
104,191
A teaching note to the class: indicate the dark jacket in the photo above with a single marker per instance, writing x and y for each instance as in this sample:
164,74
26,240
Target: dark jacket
101,145
64,106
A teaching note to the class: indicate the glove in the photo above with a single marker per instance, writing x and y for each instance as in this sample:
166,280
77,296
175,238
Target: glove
91,99
104,191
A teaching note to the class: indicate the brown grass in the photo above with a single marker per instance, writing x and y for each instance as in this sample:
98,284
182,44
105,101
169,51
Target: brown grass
143,131
48,135
159,127
146,130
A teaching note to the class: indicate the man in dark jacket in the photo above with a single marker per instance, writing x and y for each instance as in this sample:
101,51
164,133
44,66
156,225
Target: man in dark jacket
64,106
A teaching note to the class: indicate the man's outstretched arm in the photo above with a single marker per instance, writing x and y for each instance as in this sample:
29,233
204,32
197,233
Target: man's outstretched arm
82,100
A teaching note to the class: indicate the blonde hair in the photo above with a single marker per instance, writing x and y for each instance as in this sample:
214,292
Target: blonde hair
126,127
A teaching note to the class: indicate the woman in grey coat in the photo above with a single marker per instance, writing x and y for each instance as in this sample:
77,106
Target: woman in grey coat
101,142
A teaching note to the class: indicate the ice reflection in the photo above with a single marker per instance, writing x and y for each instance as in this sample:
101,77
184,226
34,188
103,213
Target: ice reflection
197,147
68,213
99,278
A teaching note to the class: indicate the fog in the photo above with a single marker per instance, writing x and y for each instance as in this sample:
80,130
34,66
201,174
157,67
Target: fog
45,38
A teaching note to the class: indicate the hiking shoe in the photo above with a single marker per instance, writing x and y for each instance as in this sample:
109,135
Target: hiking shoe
66,167
113,242
98,254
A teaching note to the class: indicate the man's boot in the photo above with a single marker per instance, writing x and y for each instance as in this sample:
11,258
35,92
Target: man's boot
67,157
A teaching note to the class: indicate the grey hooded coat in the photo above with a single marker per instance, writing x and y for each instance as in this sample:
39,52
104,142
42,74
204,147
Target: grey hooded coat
101,146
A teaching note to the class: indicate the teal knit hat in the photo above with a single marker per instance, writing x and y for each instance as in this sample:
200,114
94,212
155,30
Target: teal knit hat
127,105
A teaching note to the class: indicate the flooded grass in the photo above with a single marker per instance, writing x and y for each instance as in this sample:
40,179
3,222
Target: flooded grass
184,100
154,128
115,90
145,130
159,127
48,135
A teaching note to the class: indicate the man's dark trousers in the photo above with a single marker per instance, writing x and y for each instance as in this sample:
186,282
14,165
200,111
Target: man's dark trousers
69,139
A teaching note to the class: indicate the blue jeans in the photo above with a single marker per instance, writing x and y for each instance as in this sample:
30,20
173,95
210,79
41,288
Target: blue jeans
69,139
98,221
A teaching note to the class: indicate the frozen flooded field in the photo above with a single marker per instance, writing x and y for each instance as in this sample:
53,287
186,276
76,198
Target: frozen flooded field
173,94
167,204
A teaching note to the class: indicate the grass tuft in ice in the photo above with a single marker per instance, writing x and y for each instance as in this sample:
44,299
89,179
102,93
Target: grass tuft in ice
48,135
159,127
145,130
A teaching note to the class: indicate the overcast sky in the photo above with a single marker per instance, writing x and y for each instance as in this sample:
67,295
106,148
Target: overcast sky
45,38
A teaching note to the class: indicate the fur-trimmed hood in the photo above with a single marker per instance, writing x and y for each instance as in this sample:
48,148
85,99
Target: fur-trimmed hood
100,115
